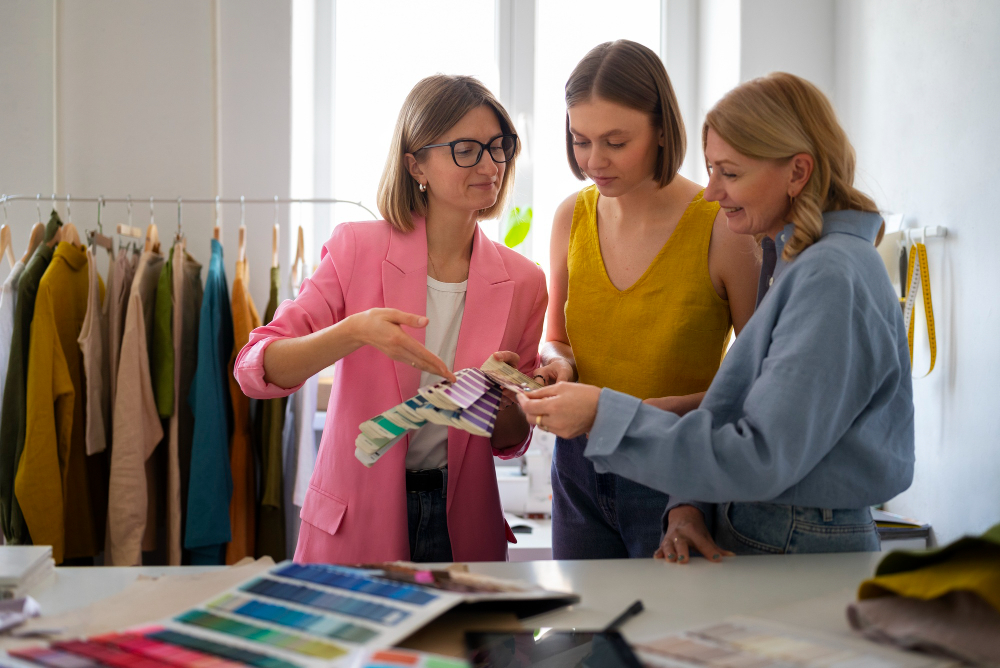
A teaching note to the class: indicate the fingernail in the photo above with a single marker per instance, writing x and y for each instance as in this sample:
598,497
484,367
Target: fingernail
682,558
671,557
716,557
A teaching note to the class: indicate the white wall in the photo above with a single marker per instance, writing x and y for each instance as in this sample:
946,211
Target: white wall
918,89
916,85
26,115
187,98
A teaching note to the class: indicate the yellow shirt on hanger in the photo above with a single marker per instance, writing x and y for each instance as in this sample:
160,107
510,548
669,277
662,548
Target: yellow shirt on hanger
60,489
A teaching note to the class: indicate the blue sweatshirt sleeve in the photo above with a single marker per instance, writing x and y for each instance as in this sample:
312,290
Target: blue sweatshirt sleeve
818,375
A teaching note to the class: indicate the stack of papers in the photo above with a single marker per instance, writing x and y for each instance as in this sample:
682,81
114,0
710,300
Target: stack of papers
891,525
23,568
471,403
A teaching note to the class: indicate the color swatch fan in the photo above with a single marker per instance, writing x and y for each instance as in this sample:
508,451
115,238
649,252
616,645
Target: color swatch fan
471,403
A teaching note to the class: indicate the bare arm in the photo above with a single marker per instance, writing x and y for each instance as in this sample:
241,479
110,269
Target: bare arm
557,361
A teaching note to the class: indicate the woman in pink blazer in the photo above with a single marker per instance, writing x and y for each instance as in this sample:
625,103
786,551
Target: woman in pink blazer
427,274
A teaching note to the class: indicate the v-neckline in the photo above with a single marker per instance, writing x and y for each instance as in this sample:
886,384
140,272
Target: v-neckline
638,281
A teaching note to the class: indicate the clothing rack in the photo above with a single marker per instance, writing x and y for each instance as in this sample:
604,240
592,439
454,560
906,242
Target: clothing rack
179,201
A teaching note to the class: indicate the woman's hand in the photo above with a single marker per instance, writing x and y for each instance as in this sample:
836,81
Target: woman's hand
382,329
685,529
556,371
565,409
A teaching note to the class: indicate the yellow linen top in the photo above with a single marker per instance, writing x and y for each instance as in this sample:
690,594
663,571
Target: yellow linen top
664,335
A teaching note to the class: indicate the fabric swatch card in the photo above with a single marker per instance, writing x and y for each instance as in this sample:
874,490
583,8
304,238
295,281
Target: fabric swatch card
471,404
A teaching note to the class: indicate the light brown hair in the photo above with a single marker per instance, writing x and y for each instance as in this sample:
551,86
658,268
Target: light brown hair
777,117
632,75
432,108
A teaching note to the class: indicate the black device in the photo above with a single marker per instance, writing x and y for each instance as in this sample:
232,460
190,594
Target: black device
549,647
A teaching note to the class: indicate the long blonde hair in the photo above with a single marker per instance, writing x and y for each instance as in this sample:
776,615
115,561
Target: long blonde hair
432,108
781,115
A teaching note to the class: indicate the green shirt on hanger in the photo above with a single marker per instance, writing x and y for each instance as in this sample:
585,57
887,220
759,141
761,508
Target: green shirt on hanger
271,526
161,357
13,414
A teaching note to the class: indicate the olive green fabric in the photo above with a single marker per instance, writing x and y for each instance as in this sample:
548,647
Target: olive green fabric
13,414
271,526
161,357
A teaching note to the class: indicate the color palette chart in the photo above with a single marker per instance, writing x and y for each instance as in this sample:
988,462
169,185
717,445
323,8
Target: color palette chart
295,616
400,658
751,643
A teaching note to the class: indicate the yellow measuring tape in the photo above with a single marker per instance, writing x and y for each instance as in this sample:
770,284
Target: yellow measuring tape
918,277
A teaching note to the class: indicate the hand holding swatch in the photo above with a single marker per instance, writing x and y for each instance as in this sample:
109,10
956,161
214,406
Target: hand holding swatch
471,403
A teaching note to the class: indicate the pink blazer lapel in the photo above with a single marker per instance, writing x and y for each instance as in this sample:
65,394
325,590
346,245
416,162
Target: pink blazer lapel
488,297
404,287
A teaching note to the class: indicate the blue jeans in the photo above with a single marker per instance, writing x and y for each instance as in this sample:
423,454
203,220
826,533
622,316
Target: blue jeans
769,528
600,515
428,522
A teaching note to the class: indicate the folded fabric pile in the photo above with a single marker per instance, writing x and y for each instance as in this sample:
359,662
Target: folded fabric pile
471,403
944,602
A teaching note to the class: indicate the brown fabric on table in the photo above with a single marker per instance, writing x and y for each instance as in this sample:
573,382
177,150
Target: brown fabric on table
959,625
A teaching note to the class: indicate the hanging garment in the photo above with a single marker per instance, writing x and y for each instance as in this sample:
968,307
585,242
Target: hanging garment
93,342
243,507
62,491
119,287
161,356
187,292
210,488
14,412
271,527
300,452
8,298
137,429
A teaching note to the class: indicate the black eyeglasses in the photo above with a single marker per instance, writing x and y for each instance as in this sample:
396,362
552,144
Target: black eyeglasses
468,152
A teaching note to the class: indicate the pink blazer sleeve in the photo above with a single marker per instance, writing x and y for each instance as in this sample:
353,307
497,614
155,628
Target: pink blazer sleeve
320,304
527,348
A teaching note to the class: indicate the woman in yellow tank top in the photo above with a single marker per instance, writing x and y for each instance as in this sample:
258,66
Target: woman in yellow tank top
646,284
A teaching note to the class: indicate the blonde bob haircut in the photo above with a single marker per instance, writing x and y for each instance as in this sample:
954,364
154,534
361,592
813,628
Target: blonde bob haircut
777,117
432,108
632,75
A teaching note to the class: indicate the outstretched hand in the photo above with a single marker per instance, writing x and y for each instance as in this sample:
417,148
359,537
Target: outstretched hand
382,328
686,529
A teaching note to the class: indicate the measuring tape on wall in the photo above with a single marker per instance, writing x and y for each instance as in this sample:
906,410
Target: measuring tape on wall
919,279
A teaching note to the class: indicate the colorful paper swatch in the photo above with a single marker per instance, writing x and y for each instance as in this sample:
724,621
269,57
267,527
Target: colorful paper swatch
231,652
321,600
179,657
262,635
318,625
401,658
353,579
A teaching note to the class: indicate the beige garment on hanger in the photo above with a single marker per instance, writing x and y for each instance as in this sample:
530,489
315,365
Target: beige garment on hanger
137,427
93,341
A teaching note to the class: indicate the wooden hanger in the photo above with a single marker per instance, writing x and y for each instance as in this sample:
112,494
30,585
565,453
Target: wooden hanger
275,233
34,241
69,234
97,237
152,239
298,266
217,230
5,245
241,253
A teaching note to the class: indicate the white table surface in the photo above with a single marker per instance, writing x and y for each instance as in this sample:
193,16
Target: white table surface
809,590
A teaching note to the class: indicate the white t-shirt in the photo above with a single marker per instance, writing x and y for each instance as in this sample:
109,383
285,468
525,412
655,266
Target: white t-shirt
445,306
